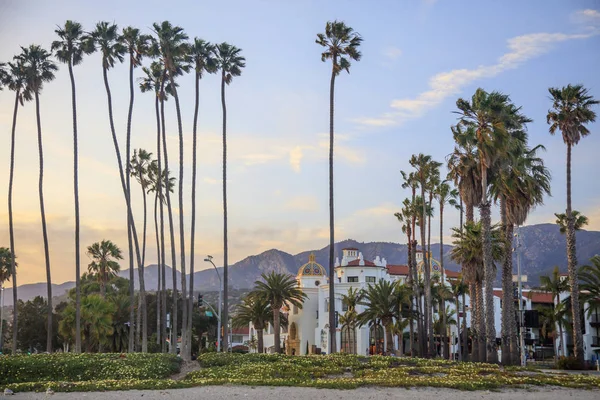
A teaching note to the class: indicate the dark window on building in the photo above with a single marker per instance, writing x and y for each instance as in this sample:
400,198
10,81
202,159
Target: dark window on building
352,279
370,279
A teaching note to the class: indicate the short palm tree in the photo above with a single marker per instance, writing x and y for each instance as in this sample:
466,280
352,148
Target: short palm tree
70,50
15,79
202,55
341,45
459,289
590,284
380,303
579,221
104,264
279,289
256,310
6,259
570,113
403,312
349,319
230,62
554,285
39,69
97,317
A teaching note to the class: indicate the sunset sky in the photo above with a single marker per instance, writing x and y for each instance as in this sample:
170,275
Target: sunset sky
418,58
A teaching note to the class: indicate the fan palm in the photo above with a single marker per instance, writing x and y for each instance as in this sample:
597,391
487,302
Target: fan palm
230,63
70,50
137,46
257,311
39,69
174,49
202,55
380,303
579,221
445,194
486,115
6,260
15,79
570,113
341,45
103,263
279,289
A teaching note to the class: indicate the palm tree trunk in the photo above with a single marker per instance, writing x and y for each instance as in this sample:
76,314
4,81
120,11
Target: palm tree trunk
445,342
458,325
562,340
162,224
512,330
173,348
572,269
13,268
184,303
427,312
130,220
432,348
389,338
276,331
225,316
489,271
410,284
141,269
128,195
332,330
474,322
158,253
44,230
481,339
76,197
261,346
465,354
507,292
193,222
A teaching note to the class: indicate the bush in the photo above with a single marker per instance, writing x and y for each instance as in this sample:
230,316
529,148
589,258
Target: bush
86,367
568,363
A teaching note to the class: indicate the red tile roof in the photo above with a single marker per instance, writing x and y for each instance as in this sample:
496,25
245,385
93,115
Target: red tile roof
539,297
397,269
498,293
240,331
356,263
451,274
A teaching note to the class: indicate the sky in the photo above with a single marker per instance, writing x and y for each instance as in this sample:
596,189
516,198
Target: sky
418,58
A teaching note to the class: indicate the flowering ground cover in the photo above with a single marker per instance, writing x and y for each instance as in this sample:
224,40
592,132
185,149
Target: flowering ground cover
145,371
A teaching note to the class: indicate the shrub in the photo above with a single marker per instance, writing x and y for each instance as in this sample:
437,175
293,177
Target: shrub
569,363
86,367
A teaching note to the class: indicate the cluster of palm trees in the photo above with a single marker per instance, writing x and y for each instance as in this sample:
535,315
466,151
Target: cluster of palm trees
492,162
171,56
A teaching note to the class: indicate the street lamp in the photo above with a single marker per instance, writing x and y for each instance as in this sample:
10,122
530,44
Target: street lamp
209,259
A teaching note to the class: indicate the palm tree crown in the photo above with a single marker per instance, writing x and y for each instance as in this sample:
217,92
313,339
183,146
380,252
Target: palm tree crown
229,61
341,43
579,221
103,263
38,66
106,38
73,44
571,110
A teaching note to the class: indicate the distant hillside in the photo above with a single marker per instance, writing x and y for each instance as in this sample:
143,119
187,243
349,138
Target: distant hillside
542,247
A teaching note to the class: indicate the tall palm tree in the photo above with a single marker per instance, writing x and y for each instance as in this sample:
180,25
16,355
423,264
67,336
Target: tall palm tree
278,289
174,50
486,115
137,46
230,63
202,55
379,302
16,80
341,45
444,194
349,319
139,169
570,113
579,221
70,50
425,168
554,285
103,263
256,310
39,68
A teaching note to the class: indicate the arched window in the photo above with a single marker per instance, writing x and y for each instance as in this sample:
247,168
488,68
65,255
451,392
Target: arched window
376,339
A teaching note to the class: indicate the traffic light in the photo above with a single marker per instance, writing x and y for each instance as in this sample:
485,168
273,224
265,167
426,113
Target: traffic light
200,300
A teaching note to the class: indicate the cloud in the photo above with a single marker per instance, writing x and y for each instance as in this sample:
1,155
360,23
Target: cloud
446,84
392,53
303,203
295,158
385,209
211,181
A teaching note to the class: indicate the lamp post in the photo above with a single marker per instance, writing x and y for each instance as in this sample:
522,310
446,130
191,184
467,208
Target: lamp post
209,259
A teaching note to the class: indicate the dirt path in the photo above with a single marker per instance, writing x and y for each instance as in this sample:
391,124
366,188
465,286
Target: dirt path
291,393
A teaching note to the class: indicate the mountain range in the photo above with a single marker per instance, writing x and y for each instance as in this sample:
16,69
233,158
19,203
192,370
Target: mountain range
542,248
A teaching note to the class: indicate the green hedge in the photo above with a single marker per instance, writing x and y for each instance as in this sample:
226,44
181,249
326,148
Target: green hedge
86,367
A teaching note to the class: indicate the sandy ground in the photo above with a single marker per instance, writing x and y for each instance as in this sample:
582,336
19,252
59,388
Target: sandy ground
288,393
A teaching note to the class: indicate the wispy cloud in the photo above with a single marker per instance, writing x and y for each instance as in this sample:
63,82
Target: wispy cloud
446,84
296,155
303,203
392,53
